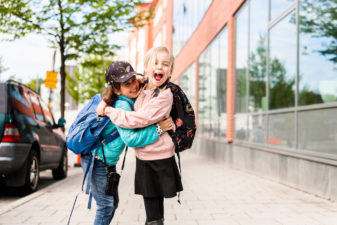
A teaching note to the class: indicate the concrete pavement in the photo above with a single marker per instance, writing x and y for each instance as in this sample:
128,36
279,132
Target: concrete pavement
214,195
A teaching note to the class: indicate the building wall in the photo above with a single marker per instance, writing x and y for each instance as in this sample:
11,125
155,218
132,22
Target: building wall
261,83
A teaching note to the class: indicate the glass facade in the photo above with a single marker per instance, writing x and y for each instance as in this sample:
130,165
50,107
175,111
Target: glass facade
257,40
187,15
317,130
282,63
317,52
286,74
187,83
212,119
241,59
278,6
250,71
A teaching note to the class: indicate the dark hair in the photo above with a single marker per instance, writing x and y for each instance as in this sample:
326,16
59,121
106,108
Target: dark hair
109,96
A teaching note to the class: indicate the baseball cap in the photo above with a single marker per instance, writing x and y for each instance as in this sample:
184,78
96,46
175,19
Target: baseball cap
120,72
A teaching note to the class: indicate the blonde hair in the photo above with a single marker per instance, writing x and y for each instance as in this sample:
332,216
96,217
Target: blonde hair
151,56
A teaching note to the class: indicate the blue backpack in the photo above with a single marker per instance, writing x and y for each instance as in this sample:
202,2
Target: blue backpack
85,132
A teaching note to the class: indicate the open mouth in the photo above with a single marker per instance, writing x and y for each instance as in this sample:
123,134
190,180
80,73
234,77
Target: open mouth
158,76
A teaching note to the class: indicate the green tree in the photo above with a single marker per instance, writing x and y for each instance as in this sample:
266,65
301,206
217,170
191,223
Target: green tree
35,84
257,75
88,79
75,27
281,94
318,17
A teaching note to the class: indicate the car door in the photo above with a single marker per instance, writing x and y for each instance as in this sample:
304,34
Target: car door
43,131
55,144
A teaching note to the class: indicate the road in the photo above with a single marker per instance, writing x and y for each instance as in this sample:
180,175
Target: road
9,195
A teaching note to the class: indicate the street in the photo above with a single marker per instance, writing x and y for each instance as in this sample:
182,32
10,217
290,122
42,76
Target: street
213,194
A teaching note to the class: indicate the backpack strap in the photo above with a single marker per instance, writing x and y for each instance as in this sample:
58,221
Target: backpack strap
110,137
87,174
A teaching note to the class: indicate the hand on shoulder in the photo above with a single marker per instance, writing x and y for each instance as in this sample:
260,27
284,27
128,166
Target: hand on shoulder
101,108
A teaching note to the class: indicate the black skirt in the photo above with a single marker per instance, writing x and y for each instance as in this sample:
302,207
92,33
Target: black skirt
156,178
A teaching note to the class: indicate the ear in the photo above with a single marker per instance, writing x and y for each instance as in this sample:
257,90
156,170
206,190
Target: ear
116,91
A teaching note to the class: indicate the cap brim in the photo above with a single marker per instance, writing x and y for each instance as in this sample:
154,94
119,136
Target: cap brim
125,77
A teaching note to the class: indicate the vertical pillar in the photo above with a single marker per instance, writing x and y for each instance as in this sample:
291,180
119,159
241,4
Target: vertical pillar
230,80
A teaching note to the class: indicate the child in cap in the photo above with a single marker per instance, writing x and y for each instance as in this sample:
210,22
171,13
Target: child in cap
157,176
121,93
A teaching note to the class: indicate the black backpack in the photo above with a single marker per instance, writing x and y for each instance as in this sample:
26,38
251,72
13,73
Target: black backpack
183,116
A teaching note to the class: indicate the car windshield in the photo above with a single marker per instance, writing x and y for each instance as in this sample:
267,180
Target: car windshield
3,98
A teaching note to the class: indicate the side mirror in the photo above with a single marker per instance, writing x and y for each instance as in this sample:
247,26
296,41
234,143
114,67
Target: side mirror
61,122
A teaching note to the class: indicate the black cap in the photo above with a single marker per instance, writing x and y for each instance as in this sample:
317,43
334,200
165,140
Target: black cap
120,72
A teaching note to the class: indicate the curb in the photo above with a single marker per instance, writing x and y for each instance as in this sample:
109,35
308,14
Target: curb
37,194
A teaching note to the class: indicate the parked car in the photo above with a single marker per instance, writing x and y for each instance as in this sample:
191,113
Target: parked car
30,139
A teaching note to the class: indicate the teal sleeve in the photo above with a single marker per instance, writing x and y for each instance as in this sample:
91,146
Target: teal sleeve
136,137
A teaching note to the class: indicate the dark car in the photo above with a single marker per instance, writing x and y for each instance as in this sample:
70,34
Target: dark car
30,139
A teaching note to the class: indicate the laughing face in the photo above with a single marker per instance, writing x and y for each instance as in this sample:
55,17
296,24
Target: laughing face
159,70
129,88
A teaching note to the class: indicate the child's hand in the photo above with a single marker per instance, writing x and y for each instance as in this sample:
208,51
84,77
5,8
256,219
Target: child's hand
101,108
166,124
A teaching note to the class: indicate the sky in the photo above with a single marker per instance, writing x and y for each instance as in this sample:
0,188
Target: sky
31,57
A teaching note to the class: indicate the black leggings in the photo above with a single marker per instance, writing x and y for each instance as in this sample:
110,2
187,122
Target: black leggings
154,208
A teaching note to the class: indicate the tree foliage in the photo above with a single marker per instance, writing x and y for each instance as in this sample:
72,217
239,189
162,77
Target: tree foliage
34,84
77,28
282,88
88,79
319,18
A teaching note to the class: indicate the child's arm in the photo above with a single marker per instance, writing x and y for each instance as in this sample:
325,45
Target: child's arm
154,111
136,138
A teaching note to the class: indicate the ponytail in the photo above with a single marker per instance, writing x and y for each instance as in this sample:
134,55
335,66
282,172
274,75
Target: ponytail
109,96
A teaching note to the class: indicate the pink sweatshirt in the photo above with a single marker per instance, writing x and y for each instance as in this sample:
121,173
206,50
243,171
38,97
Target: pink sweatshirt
148,111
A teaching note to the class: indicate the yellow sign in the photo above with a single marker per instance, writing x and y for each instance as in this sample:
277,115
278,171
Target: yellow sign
51,79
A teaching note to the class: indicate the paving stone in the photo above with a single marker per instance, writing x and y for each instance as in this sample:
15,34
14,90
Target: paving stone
224,196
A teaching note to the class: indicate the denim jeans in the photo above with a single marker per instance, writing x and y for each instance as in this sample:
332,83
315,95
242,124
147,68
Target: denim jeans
106,204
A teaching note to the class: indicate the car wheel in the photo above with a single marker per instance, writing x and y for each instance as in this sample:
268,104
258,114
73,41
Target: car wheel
61,171
32,173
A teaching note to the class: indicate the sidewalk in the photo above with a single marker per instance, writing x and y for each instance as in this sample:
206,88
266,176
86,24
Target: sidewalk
214,195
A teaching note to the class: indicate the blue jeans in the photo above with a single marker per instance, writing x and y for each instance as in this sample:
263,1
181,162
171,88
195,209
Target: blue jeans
106,204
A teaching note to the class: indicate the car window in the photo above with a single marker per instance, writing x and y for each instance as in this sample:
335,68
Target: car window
47,114
3,98
20,101
36,106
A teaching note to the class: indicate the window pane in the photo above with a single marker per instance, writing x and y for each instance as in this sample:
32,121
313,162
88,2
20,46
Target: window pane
187,15
20,103
212,119
204,82
258,55
278,6
282,130
36,106
241,59
221,82
240,122
318,52
282,63
47,114
221,72
3,98
258,129
187,83
317,130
